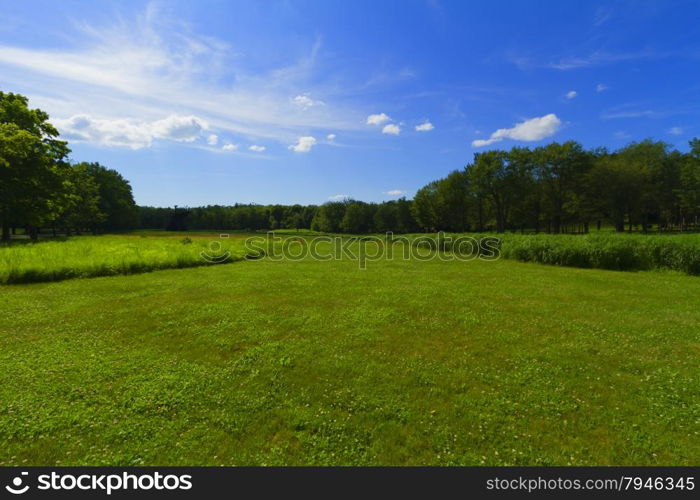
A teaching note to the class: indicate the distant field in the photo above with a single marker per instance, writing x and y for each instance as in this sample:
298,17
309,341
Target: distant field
144,251
322,363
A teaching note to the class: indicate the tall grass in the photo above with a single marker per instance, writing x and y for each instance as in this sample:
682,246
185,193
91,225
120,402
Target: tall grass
90,256
620,252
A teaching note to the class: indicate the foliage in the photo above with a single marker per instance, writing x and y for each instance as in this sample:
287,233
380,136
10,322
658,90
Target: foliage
32,165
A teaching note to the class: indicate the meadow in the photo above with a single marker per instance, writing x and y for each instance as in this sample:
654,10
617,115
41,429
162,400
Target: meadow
404,363
108,255
599,250
145,251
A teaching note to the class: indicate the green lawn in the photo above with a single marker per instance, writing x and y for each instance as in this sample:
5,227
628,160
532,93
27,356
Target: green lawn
322,363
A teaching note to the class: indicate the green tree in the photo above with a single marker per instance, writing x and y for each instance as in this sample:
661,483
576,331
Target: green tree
329,216
560,169
116,199
32,166
82,204
425,207
386,217
453,201
358,217
689,189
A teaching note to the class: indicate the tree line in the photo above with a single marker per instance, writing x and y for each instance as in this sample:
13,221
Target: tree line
555,188
41,188
565,188
348,216
560,187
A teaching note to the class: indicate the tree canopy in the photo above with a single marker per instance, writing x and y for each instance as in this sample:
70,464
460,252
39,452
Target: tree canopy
38,185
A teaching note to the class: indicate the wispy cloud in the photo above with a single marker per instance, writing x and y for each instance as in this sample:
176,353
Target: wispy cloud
675,131
395,192
611,115
304,101
148,69
602,16
339,197
601,87
257,149
599,58
534,129
571,94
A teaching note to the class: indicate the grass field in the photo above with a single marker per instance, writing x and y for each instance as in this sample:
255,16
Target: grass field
109,255
597,250
322,363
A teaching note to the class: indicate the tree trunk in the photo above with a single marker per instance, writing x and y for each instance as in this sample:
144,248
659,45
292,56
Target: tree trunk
557,225
620,224
481,215
5,231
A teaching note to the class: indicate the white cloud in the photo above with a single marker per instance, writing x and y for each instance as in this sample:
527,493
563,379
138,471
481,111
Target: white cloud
303,145
571,94
338,197
331,137
601,87
179,128
130,133
305,102
675,131
257,149
391,129
119,133
395,192
534,129
213,140
230,147
425,127
621,134
377,119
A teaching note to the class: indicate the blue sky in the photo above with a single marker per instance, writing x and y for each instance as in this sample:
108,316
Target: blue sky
304,101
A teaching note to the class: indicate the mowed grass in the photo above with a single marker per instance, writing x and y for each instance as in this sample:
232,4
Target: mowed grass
405,363
108,255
